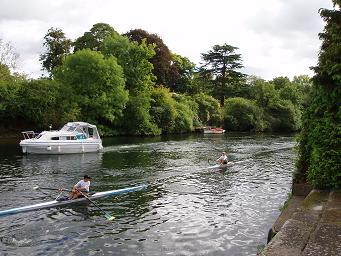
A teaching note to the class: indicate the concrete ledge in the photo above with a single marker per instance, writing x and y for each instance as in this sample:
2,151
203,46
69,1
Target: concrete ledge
315,201
292,206
291,239
312,229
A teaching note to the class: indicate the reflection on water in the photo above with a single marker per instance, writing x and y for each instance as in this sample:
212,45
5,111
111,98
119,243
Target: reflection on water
186,210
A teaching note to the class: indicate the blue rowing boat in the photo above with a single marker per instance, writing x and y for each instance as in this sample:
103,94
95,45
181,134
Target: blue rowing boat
56,202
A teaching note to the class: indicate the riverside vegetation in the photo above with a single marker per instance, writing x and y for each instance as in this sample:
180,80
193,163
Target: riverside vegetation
132,84
319,160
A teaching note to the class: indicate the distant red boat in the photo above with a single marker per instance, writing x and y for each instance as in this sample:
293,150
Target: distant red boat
210,130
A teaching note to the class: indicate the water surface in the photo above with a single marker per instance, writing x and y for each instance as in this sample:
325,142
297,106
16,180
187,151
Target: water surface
186,210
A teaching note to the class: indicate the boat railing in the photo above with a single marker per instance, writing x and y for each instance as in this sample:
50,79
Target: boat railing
29,134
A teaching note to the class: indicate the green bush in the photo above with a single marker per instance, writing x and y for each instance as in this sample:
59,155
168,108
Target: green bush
186,113
320,139
45,102
163,109
8,100
209,110
96,84
282,115
242,115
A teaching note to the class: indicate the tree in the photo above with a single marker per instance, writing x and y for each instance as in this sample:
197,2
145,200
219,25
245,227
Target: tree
303,84
280,82
320,140
8,101
282,116
209,110
5,73
263,92
162,60
43,102
94,39
58,47
97,85
8,55
186,113
163,109
221,65
281,107
133,58
242,115
180,75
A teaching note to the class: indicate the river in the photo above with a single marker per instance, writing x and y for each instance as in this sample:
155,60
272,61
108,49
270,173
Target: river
187,209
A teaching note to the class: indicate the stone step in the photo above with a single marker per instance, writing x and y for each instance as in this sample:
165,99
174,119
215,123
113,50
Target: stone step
300,226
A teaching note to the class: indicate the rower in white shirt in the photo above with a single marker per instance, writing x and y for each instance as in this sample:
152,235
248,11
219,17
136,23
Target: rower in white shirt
222,159
83,186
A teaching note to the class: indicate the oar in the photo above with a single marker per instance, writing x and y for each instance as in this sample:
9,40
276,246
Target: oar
55,189
106,215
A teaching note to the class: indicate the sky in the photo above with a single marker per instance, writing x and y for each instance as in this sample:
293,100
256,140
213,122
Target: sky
274,37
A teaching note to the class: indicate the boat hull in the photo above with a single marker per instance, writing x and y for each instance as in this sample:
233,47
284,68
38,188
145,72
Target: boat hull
219,166
38,147
56,203
213,130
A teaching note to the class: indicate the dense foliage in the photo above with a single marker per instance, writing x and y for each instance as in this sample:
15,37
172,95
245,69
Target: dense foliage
94,38
209,111
162,58
320,139
133,84
133,58
242,115
96,85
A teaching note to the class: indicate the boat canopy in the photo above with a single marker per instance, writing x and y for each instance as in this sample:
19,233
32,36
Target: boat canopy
86,129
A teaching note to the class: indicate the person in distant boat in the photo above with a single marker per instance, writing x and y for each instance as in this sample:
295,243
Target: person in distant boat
83,186
222,159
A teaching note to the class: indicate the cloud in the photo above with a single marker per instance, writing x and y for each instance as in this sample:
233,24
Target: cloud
275,37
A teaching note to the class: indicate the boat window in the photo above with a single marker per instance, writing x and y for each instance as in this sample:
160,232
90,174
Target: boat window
80,136
71,129
55,138
91,132
71,137
39,136
63,138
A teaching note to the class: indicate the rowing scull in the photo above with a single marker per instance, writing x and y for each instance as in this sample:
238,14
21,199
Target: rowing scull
56,203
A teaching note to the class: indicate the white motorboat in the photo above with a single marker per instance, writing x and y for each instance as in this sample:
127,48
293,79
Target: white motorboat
74,137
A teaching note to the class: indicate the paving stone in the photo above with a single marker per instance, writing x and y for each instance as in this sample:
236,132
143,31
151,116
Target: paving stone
334,200
325,241
331,216
308,217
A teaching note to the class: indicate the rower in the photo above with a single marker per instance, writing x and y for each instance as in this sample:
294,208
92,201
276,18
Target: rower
222,159
83,186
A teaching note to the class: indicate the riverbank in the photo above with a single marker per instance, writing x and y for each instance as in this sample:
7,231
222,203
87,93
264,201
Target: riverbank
309,225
